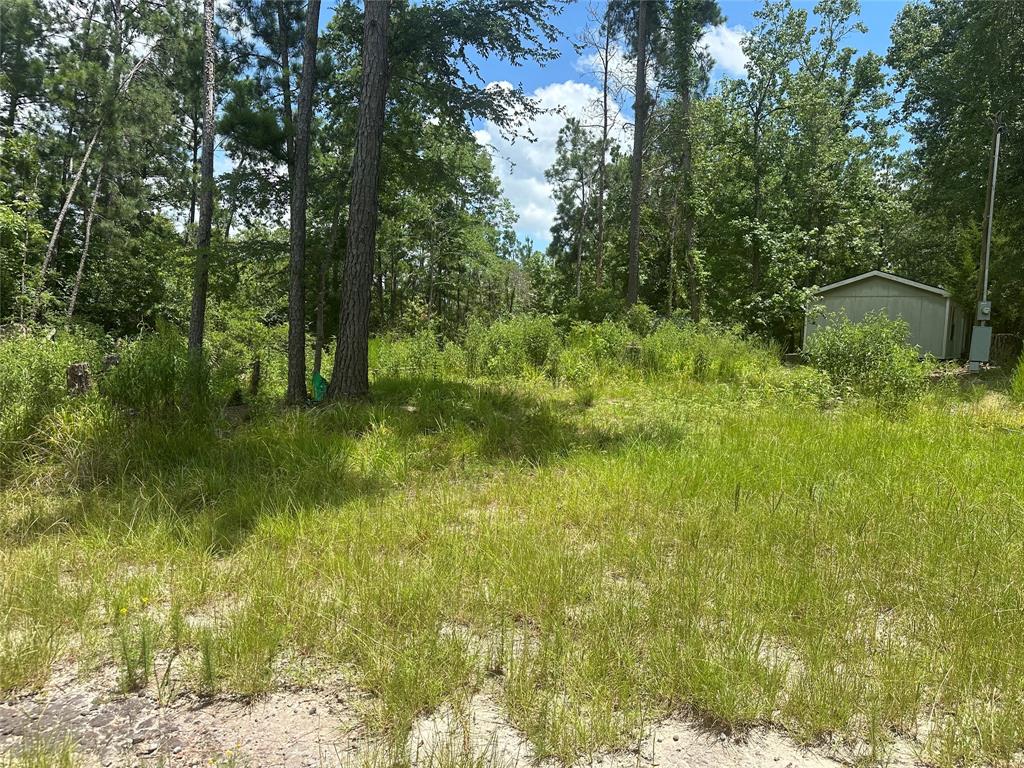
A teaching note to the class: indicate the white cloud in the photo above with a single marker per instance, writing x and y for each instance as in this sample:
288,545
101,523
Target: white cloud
520,163
724,44
621,69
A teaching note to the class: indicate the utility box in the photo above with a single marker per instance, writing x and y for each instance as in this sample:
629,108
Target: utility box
981,343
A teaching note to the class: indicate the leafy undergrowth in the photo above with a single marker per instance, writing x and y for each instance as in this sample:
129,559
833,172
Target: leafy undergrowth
711,544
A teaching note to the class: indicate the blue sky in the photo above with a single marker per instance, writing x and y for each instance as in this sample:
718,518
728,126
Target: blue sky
567,84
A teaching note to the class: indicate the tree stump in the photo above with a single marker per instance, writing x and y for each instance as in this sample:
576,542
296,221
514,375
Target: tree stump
78,378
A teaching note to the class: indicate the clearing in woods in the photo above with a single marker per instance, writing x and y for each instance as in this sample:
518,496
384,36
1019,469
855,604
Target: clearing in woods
465,571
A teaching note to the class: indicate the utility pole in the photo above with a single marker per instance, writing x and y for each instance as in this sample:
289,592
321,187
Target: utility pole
981,336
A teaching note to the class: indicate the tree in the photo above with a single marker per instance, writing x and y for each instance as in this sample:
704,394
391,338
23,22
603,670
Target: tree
296,286
85,244
600,37
201,279
640,108
957,66
22,62
572,176
688,73
350,377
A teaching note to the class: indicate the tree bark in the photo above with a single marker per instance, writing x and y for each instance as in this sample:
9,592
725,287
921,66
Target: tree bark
194,192
692,276
351,375
300,163
756,266
51,247
602,174
321,298
85,244
201,276
693,279
579,241
640,125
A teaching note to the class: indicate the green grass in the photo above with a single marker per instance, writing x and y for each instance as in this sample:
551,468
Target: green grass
41,755
643,544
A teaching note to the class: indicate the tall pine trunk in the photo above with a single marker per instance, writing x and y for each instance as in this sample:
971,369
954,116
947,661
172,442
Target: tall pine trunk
351,375
321,296
85,244
201,276
602,176
640,125
300,173
693,278
579,241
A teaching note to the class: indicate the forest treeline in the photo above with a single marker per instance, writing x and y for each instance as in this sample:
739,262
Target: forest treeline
171,162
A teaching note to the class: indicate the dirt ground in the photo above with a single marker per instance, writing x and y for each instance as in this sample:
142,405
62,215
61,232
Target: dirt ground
320,727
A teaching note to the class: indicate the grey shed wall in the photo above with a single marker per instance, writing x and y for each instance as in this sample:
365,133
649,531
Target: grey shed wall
937,325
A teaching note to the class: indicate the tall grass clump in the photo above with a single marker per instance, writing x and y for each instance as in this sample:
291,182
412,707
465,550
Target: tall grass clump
417,356
1017,381
33,378
236,340
518,346
153,376
705,352
592,350
872,358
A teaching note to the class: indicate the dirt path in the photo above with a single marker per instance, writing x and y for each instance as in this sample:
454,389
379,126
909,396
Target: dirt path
320,727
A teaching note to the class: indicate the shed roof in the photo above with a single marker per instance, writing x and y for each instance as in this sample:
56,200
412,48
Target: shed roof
886,276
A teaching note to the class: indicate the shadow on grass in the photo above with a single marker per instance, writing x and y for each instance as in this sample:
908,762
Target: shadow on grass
213,483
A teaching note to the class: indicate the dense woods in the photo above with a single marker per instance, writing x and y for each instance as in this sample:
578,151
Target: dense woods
262,162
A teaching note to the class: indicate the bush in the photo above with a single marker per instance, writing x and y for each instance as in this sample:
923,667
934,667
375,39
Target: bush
153,377
33,377
706,352
234,341
607,345
873,358
640,319
1017,381
514,347
418,356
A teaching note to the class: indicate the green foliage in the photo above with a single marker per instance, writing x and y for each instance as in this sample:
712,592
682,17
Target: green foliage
640,319
33,378
153,374
872,357
1017,381
512,347
703,351
417,356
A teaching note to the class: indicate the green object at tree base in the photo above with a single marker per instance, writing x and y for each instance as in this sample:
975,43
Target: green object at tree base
319,387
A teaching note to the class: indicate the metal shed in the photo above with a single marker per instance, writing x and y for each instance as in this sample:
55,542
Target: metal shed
938,325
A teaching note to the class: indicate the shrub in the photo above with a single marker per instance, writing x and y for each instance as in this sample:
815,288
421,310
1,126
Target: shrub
234,341
576,367
513,347
1017,381
640,319
33,377
873,358
418,356
607,345
153,375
